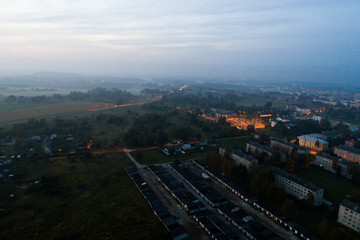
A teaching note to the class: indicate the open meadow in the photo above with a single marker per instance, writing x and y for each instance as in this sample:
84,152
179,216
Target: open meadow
78,198
21,111
336,187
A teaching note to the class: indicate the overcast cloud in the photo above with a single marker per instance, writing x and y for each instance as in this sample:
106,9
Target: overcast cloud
185,38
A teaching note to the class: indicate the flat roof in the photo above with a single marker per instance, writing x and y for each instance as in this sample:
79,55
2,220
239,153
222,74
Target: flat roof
245,156
310,137
258,145
349,149
351,205
325,155
295,179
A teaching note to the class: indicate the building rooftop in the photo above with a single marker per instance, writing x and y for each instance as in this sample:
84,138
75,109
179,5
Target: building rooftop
291,177
313,138
245,156
325,155
283,142
349,149
263,147
289,144
351,205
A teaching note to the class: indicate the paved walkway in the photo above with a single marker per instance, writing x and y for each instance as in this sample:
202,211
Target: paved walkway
138,165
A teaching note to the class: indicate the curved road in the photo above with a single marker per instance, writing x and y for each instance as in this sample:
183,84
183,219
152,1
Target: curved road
138,165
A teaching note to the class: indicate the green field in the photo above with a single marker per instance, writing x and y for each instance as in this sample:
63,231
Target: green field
91,199
22,111
336,187
239,143
6,106
155,156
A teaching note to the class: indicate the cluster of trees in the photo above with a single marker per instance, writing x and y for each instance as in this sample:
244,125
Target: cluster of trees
111,119
220,129
206,102
155,129
103,95
95,95
36,99
296,161
157,106
152,92
346,114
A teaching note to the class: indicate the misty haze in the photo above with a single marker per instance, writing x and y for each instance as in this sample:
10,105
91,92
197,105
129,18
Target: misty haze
179,120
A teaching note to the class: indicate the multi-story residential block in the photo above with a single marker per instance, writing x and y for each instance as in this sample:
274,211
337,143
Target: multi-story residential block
349,214
287,147
239,157
348,153
244,159
314,142
325,161
297,187
251,147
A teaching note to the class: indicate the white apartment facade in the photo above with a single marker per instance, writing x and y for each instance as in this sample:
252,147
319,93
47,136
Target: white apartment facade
348,153
325,161
240,158
314,142
297,187
349,215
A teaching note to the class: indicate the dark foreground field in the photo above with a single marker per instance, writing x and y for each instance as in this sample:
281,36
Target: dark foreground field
79,199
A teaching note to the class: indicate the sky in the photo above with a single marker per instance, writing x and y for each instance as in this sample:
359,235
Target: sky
285,40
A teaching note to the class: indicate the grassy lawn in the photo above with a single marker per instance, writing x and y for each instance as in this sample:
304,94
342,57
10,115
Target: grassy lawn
155,156
122,109
239,143
6,106
20,111
310,218
335,187
99,202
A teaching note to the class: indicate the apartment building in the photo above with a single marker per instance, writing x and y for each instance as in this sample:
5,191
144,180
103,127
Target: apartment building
349,214
297,187
252,146
239,157
314,142
287,147
348,153
325,161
